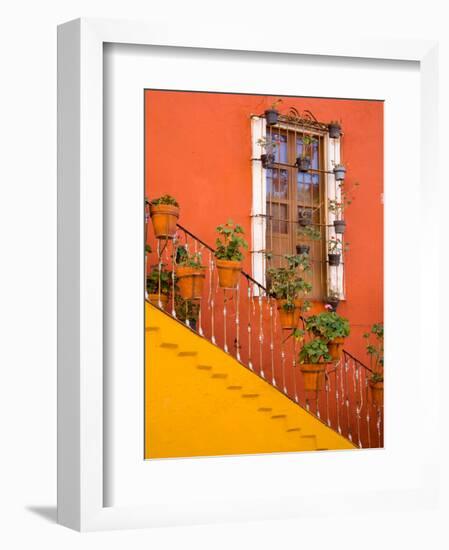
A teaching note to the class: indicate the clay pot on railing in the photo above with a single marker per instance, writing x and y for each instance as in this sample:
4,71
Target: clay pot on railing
190,281
333,301
228,273
313,376
377,392
304,164
164,218
334,130
335,347
334,259
154,300
271,117
339,172
303,249
339,226
289,317
268,159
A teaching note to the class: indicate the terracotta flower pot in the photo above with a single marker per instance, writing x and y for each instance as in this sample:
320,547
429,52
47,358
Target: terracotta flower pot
228,273
377,392
289,318
190,281
313,376
164,218
272,116
154,299
335,347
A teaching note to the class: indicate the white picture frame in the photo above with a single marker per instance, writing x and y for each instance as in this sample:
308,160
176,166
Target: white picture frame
81,487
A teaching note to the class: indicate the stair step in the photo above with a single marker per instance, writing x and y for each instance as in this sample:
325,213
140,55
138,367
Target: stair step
152,329
219,375
168,345
250,395
204,367
265,409
293,429
276,416
187,353
234,387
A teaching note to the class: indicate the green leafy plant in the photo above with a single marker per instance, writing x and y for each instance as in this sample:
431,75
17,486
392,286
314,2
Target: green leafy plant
328,325
186,309
155,281
336,246
347,196
230,242
165,199
307,142
376,377
375,347
315,351
268,145
187,259
286,283
148,249
309,232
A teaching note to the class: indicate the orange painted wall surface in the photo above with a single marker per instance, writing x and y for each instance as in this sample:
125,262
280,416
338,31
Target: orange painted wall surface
198,149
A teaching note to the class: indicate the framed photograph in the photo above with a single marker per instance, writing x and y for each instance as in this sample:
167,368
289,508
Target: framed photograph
239,223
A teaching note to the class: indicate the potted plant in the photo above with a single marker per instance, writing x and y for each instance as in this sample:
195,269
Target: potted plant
304,161
287,287
332,328
190,274
303,249
313,358
228,254
305,217
187,310
158,286
308,231
339,172
335,247
272,114
334,128
333,299
164,213
269,145
375,349
338,207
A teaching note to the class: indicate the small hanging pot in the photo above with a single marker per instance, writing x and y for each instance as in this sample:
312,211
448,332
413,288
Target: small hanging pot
334,259
289,318
271,116
333,302
190,281
377,392
339,226
303,249
334,131
164,218
228,273
339,172
158,300
303,163
267,159
335,347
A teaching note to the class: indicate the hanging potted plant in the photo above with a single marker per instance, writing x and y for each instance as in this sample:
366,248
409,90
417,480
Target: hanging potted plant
313,359
228,254
187,310
190,274
338,207
287,287
272,114
333,299
332,328
158,286
303,249
375,349
269,146
335,247
334,128
339,172
164,213
304,161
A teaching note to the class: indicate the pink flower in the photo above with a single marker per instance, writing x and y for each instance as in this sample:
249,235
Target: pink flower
328,306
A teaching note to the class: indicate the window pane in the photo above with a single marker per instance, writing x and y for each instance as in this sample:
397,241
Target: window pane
277,183
308,188
277,221
281,146
311,150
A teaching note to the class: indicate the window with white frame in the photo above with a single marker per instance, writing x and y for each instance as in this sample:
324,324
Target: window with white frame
293,206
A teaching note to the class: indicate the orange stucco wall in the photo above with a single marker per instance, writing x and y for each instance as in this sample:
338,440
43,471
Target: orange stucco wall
198,148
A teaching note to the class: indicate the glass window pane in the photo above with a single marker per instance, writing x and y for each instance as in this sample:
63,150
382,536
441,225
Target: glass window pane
277,183
308,188
280,140
277,221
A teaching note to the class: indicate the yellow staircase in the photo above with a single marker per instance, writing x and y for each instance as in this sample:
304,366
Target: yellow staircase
200,401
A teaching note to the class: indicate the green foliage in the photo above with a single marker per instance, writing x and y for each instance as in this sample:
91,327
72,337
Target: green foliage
328,325
148,249
315,351
154,281
307,141
230,243
377,377
347,196
268,144
285,281
375,345
186,309
165,199
184,258
336,246
309,232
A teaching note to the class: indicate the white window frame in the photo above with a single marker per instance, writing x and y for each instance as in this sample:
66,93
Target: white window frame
335,276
